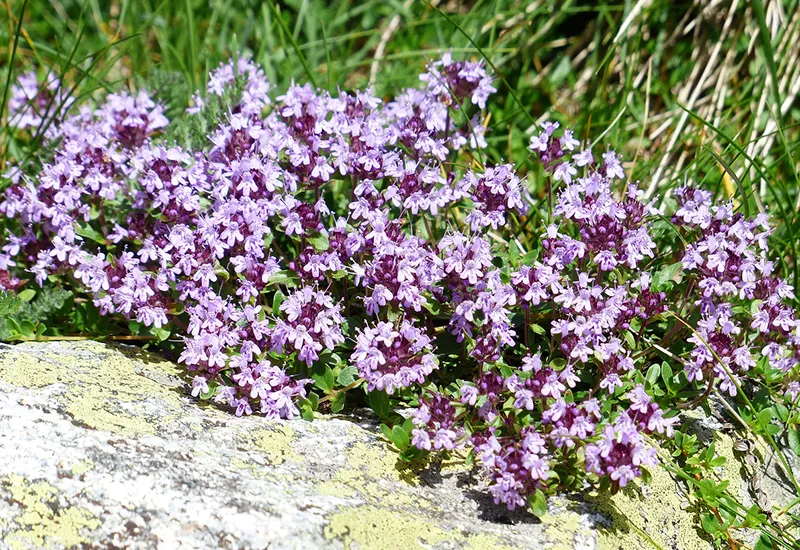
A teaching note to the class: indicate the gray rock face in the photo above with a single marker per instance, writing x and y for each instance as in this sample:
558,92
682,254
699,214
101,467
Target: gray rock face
102,447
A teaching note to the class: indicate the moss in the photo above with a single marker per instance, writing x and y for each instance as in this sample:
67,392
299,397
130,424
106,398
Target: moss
105,391
42,521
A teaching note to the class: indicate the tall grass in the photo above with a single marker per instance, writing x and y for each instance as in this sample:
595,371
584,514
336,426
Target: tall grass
699,91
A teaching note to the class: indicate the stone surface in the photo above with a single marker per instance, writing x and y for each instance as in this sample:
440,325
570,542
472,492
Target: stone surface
101,447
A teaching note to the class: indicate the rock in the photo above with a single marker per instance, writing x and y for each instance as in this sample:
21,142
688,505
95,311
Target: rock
102,447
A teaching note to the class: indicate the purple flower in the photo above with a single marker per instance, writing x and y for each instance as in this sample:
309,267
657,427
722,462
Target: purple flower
620,452
435,424
30,102
515,467
392,357
311,322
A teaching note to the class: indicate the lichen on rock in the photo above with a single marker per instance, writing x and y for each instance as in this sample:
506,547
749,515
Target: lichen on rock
107,448
41,519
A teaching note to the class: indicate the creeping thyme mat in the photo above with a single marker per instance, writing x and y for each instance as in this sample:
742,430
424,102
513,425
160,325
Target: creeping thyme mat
313,252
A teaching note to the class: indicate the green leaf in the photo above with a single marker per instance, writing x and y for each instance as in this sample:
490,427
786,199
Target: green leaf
319,241
306,409
27,329
629,339
538,329
763,543
26,295
781,412
667,274
339,402
773,429
666,375
530,257
90,233
717,461
400,438
347,375
754,518
277,300
652,375
379,402
387,431
763,418
432,305
212,389
284,277
13,327
325,380
161,334
513,252
710,523
538,503
794,440
469,460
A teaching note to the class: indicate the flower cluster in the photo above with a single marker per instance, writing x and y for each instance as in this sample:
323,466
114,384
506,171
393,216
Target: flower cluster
322,244
516,468
390,359
31,104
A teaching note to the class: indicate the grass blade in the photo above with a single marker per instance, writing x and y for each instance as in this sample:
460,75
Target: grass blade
191,29
296,48
9,77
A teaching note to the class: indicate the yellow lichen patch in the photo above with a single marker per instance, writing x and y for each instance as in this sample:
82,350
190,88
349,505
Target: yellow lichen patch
732,469
27,371
374,528
276,443
349,483
42,523
648,517
103,388
487,542
372,473
454,466
369,527
562,529
83,466
377,462
338,487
